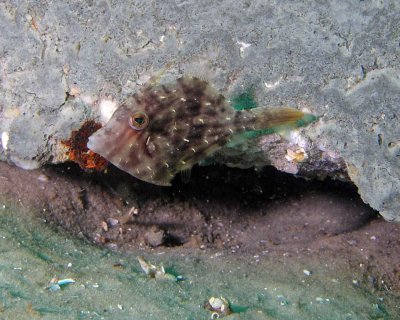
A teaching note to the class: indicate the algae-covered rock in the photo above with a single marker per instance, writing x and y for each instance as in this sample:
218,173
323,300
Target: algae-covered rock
64,63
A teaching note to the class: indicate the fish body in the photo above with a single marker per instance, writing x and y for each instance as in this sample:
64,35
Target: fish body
166,129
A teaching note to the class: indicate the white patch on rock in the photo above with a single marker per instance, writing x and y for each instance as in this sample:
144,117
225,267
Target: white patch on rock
25,164
272,85
297,139
243,47
4,139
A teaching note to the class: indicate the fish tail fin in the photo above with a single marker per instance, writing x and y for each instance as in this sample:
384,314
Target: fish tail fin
260,121
273,120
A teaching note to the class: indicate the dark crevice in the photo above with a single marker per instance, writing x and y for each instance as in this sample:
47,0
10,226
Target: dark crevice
265,207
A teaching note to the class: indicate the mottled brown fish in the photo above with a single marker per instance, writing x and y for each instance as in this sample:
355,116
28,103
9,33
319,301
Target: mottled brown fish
165,129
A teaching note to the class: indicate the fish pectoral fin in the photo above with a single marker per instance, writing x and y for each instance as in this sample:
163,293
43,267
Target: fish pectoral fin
185,175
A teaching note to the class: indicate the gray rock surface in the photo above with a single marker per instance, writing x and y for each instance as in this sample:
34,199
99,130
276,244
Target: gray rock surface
64,62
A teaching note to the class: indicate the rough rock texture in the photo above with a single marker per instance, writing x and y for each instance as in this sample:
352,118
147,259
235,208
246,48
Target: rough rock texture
64,62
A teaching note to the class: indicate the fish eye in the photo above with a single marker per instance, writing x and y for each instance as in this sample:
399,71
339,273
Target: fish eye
139,121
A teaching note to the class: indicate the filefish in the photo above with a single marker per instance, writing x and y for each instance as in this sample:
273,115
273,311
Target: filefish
165,129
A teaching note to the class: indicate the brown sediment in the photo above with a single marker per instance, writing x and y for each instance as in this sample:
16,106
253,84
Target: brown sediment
233,211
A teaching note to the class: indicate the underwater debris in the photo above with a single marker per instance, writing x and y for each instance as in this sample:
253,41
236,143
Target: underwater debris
219,306
56,284
296,156
78,151
157,272
166,129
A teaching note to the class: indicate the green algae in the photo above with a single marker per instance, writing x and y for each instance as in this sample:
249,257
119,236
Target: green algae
244,101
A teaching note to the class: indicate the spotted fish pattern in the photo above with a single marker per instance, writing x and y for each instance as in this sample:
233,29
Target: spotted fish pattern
165,129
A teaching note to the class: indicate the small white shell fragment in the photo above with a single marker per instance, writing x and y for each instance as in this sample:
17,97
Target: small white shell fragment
216,303
322,300
307,272
146,266
64,282
157,272
56,284
219,305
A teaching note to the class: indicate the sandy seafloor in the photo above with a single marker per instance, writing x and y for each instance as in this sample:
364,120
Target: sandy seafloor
350,274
